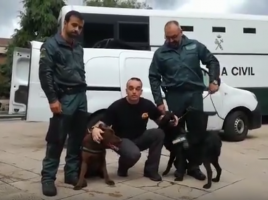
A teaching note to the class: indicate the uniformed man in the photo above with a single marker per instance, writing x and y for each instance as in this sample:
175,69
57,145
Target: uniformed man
176,68
62,78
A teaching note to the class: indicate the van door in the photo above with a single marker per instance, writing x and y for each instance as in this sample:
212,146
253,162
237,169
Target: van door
136,64
19,81
212,103
38,107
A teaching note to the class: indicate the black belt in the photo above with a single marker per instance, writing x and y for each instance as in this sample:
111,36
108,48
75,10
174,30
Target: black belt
71,90
184,88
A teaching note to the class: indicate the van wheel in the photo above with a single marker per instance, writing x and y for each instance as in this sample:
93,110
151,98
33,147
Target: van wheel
236,127
94,119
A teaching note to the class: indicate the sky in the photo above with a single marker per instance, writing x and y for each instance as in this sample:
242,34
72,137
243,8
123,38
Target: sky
9,9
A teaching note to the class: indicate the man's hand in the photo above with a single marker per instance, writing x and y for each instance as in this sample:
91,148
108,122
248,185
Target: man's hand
55,107
162,108
96,134
213,88
175,121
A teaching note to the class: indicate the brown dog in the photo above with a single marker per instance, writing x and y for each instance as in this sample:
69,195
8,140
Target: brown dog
93,155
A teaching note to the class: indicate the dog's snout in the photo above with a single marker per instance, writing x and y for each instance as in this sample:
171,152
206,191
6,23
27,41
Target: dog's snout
118,140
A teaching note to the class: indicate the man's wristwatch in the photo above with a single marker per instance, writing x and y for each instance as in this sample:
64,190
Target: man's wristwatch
215,82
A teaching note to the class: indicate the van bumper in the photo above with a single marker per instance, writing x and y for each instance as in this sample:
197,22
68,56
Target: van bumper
256,118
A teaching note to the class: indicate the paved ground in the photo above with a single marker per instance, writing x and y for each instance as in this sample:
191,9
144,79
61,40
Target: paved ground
22,146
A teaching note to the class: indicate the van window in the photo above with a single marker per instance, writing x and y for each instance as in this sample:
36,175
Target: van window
133,32
218,29
95,32
249,30
187,28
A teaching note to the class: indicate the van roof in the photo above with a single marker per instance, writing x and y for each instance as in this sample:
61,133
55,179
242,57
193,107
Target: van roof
158,13
37,45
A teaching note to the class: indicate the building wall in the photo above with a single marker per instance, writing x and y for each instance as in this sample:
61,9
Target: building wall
2,59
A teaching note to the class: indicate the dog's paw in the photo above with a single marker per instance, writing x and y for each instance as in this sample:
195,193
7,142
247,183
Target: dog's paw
110,182
80,185
207,186
77,187
216,180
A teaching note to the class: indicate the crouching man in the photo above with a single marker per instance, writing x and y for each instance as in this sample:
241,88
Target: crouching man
129,117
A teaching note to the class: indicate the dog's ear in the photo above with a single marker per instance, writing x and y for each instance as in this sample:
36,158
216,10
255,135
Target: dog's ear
102,126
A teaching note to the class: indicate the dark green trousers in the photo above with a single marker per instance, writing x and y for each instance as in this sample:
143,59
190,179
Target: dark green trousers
72,122
180,102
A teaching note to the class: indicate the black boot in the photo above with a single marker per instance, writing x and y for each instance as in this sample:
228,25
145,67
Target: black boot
153,176
178,176
197,174
49,189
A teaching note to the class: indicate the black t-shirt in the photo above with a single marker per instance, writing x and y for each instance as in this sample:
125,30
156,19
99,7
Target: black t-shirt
130,120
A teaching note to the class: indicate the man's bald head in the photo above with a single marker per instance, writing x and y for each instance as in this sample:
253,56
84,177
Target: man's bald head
173,33
135,79
172,23
134,89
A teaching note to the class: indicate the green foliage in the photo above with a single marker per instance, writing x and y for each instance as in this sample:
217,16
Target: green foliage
118,4
37,22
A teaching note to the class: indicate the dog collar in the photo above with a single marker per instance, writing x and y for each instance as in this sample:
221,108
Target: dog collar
92,151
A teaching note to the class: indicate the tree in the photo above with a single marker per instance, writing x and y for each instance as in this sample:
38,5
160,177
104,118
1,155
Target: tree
118,4
37,22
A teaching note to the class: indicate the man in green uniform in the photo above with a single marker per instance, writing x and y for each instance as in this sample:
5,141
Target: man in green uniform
62,78
176,68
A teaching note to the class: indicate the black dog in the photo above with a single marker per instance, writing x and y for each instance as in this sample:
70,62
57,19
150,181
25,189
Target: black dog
166,125
166,120
171,139
207,150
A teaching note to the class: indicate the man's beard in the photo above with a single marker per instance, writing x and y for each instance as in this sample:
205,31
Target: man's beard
72,35
174,44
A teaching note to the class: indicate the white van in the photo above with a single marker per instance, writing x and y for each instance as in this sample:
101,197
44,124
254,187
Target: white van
236,40
107,72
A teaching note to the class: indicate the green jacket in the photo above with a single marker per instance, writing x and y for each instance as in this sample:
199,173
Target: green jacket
179,68
60,64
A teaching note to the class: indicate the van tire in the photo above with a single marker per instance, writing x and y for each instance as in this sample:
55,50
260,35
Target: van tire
236,127
94,119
